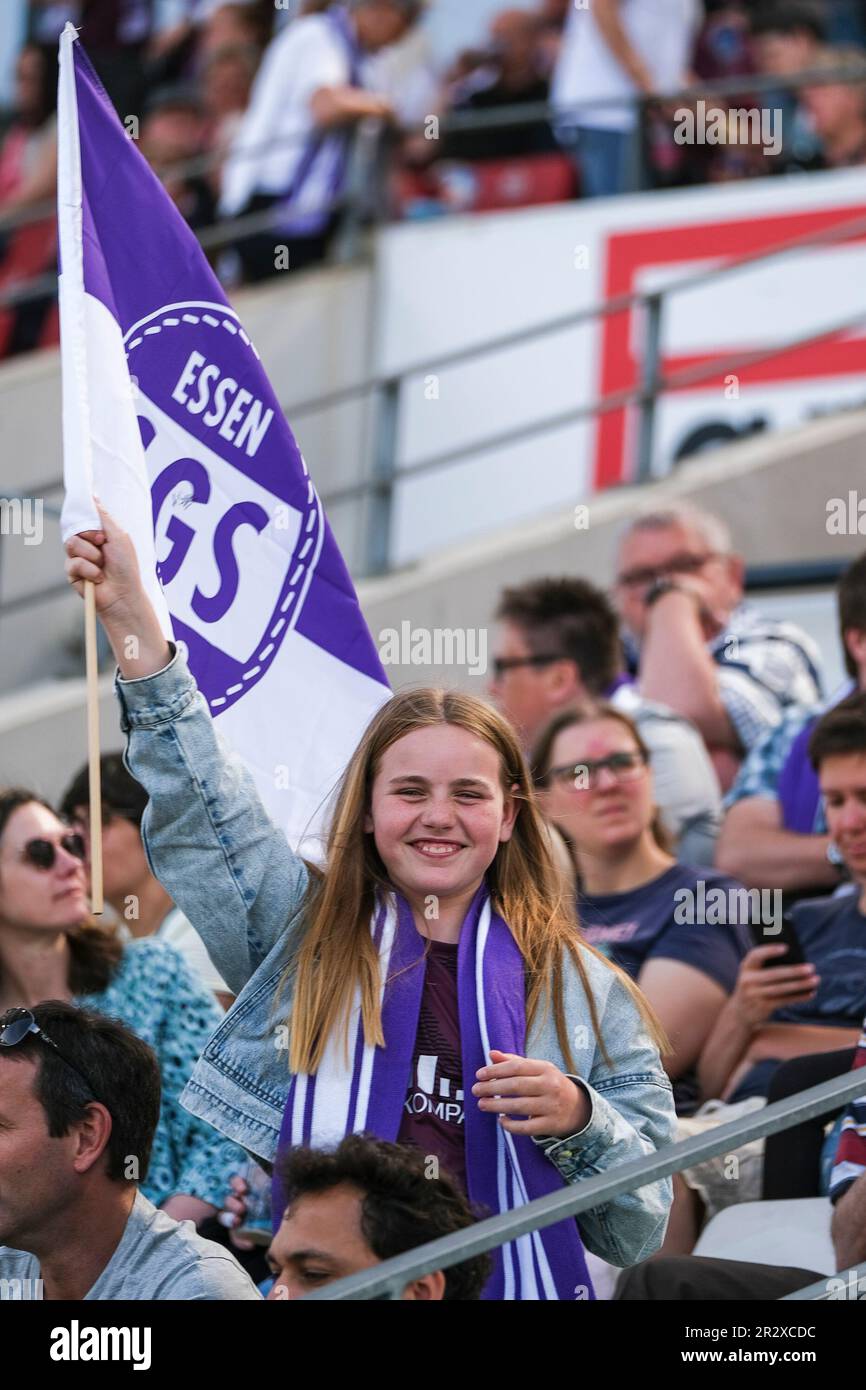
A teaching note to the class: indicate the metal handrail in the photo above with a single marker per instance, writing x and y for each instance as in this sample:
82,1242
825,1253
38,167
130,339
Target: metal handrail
387,1280
502,117
645,394
819,1292
385,475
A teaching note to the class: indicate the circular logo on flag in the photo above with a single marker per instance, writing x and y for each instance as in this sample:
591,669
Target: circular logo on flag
237,522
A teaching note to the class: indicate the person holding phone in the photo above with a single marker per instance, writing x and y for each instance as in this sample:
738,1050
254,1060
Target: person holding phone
780,1008
427,986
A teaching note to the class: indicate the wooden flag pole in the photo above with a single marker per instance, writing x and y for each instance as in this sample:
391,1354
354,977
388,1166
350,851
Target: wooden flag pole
92,665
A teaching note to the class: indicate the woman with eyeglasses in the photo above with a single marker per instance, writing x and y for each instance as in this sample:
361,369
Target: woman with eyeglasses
634,900
49,949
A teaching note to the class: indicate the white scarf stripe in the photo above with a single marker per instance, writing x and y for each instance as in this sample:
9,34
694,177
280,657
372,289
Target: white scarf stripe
537,1242
362,1103
298,1104
508,1253
330,1119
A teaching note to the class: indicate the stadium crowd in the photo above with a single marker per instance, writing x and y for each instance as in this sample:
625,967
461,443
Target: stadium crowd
248,108
660,809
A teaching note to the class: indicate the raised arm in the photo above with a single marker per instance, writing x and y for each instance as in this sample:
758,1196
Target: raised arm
209,840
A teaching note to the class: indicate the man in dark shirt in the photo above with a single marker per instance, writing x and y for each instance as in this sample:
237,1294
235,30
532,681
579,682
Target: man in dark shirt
513,75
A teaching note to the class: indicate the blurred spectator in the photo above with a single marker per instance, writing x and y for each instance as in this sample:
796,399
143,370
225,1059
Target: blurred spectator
233,26
292,150
614,52
28,153
723,47
511,74
779,1011
365,1202
774,834
406,75
787,36
552,15
172,134
142,905
28,175
724,51
79,1106
226,81
679,589
117,35
592,767
48,950
559,647
838,109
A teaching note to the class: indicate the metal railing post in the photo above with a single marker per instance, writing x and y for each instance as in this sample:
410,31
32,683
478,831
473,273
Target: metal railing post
650,381
377,547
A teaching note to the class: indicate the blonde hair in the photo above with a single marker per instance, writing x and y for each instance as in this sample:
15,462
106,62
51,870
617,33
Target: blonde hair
338,954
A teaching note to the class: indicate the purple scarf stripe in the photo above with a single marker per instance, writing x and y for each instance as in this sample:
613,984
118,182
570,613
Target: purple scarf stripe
392,1067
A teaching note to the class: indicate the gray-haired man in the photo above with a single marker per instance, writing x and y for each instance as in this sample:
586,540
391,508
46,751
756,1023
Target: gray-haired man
698,649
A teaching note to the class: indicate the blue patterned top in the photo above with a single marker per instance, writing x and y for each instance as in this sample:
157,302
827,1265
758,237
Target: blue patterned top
761,770
154,992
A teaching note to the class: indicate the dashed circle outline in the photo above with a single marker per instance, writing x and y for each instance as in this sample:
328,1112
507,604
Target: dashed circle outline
292,586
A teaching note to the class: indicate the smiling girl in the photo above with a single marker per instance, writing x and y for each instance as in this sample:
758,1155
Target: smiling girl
428,985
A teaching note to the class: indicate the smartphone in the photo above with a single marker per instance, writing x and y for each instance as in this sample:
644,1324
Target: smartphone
786,937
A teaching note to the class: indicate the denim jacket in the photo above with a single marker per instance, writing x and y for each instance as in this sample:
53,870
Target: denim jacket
231,871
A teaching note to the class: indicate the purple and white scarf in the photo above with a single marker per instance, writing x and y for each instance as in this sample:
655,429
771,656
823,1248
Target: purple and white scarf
325,156
504,1171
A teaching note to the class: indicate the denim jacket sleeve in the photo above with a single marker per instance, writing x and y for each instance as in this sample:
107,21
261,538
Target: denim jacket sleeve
208,838
632,1117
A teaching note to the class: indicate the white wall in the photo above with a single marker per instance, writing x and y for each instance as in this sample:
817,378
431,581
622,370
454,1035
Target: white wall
459,282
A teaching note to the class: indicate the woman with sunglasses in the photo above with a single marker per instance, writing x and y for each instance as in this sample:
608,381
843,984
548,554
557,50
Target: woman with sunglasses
633,897
49,950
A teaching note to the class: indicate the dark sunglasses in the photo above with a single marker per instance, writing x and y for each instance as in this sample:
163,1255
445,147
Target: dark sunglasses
501,664
42,854
17,1024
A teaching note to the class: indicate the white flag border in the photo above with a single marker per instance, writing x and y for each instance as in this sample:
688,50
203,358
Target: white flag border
73,346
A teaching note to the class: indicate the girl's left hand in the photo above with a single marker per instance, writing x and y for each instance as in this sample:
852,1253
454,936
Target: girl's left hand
550,1100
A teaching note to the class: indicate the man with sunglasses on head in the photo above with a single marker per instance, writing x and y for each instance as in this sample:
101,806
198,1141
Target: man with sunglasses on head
79,1105
695,647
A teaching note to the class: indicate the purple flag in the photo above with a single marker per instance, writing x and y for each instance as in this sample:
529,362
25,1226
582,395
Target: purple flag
169,418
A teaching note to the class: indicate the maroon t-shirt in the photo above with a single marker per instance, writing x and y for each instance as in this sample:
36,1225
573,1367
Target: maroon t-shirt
433,1109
